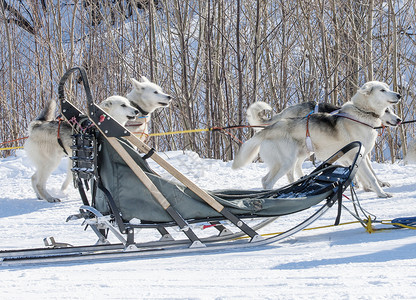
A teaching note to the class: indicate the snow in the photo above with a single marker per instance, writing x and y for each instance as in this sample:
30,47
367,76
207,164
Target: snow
343,262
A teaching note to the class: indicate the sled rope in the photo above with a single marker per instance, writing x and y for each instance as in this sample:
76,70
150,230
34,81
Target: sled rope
213,129
9,142
205,129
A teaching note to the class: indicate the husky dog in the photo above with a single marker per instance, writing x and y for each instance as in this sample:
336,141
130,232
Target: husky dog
282,143
45,152
146,96
257,116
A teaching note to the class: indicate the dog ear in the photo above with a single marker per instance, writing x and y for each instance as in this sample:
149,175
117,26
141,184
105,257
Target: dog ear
106,104
136,84
144,79
366,89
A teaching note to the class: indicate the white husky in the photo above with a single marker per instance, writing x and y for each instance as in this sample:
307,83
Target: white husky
282,143
146,96
257,116
42,145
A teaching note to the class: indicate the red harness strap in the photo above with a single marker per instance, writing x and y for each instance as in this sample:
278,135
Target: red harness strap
308,139
352,119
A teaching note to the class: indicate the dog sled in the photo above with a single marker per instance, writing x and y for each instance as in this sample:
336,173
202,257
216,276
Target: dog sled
122,197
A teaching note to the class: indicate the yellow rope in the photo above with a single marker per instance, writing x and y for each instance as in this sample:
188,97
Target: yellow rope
177,132
141,134
10,148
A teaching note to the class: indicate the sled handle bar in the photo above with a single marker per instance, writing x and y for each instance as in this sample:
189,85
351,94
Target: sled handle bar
85,82
111,127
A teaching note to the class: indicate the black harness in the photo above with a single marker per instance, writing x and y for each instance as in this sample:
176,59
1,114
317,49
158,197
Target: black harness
142,111
59,135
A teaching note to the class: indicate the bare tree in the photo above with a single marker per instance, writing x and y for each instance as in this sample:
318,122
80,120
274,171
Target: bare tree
214,57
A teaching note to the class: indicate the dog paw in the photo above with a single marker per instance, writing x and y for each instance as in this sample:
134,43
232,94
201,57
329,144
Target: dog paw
385,195
367,189
384,184
53,200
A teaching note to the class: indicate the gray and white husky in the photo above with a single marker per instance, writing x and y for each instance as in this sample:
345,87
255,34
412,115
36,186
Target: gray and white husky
283,143
146,96
42,145
258,112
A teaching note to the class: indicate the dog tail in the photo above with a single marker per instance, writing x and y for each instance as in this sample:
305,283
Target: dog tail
257,114
248,151
48,112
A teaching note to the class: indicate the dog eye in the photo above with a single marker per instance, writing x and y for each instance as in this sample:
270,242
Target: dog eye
382,90
156,92
123,105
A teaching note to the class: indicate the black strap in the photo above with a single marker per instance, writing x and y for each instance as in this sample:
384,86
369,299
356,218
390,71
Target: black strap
149,154
142,111
338,219
82,192
62,145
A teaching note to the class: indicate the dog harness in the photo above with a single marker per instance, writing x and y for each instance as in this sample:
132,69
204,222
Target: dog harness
308,140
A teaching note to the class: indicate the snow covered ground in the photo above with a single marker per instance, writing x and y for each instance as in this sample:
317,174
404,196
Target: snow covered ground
342,262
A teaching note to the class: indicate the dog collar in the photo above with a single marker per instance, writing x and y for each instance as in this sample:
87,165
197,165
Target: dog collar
142,111
373,114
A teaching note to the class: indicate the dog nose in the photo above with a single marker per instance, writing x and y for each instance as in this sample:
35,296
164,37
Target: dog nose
169,97
398,121
399,96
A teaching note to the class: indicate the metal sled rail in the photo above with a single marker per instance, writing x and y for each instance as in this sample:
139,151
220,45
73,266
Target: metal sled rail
141,250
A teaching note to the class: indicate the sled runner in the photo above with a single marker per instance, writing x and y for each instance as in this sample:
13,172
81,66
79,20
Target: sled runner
124,198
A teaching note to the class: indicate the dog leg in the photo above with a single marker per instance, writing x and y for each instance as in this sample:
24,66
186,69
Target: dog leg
298,168
34,180
42,176
267,181
364,173
280,156
291,175
68,178
367,185
296,171
380,182
275,174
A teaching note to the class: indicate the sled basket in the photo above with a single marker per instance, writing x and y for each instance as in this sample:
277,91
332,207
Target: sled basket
134,201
